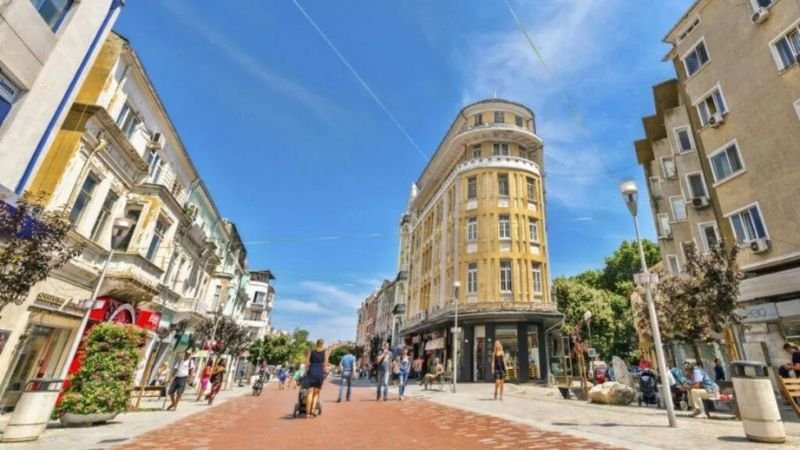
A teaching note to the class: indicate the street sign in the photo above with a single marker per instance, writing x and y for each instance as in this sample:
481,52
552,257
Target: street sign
592,353
455,330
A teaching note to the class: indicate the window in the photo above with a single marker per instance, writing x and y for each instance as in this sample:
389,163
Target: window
158,237
674,266
519,121
655,187
476,151
84,197
787,47
472,278
477,119
132,213
668,167
696,58
154,165
712,104
664,229
8,94
127,120
683,137
726,162
472,188
105,213
52,11
505,226
697,188
505,275
499,117
536,270
533,229
502,185
678,208
217,293
747,225
260,298
531,189
762,3
472,229
709,234
500,149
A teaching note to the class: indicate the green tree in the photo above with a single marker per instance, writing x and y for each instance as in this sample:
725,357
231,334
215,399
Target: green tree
575,298
33,243
624,262
230,337
338,353
375,346
698,305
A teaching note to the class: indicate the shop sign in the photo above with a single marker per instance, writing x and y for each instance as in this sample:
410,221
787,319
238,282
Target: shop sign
758,313
148,319
415,339
789,308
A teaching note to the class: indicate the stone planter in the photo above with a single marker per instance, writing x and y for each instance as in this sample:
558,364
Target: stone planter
85,420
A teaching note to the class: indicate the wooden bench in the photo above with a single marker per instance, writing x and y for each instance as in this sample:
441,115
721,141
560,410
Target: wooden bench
790,387
149,392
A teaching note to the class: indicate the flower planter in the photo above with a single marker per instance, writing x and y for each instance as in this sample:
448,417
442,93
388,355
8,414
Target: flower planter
85,420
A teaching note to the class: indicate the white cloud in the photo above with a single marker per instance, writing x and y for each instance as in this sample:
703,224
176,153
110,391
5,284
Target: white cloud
301,306
328,291
250,64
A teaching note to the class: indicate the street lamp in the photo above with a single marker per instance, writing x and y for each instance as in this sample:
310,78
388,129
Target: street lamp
630,194
456,286
118,233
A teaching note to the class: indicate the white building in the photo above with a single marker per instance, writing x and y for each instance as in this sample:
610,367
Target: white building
261,294
47,48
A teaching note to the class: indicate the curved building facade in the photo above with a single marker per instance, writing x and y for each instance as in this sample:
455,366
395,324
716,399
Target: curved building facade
476,219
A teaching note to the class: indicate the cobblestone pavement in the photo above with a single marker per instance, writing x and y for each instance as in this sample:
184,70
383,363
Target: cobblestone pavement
363,423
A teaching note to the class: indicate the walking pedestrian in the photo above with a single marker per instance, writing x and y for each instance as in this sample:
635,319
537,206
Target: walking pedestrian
396,371
498,368
298,374
217,376
205,375
348,367
700,387
184,370
383,364
405,365
315,361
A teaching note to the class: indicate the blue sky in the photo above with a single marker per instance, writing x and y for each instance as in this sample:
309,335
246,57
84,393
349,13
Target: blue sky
315,173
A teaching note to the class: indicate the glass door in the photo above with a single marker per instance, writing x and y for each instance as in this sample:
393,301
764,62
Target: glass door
480,358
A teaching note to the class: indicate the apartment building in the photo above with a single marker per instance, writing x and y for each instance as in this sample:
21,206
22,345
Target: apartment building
474,233
738,86
261,295
118,155
46,50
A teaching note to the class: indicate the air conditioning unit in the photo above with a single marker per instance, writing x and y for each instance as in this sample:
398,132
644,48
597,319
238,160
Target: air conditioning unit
156,140
716,120
700,202
666,237
760,245
761,15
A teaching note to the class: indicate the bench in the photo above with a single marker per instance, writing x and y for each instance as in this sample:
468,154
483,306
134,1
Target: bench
724,406
149,391
446,377
790,388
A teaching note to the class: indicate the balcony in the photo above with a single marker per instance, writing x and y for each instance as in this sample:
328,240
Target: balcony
507,132
499,162
257,306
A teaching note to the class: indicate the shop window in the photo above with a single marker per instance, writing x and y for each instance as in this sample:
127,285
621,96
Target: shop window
534,369
507,336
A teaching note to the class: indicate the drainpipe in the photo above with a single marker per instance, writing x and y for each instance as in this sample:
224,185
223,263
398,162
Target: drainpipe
65,98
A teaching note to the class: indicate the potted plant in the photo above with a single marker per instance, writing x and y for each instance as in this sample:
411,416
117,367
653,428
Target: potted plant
101,389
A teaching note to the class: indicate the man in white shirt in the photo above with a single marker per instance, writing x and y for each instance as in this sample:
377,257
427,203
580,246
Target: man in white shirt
184,370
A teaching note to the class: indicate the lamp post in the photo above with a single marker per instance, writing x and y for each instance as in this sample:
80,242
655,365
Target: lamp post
456,285
630,193
118,233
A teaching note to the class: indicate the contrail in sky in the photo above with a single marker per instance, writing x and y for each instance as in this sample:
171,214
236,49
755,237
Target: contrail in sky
360,80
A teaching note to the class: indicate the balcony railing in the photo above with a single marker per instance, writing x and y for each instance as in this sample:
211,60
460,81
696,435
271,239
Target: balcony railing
440,311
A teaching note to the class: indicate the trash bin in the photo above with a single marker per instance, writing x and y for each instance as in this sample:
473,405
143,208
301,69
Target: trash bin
756,399
33,410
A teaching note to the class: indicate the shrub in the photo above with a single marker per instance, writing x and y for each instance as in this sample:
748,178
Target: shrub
103,383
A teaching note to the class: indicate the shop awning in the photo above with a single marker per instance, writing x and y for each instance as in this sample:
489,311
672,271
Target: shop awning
435,344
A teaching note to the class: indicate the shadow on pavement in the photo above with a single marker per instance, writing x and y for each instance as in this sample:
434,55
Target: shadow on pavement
733,439
604,425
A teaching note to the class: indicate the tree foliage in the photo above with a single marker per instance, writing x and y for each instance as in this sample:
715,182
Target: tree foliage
574,298
617,275
335,357
375,346
34,243
697,305
228,336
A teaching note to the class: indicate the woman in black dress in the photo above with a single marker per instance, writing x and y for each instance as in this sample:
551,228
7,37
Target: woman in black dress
499,368
314,376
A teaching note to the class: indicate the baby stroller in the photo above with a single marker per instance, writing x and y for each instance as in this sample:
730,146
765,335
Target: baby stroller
302,394
649,388
680,399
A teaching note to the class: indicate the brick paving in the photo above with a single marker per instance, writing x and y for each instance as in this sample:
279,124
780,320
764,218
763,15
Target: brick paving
363,423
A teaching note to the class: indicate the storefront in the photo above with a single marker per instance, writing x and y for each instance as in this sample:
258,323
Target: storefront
41,350
767,326
522,335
